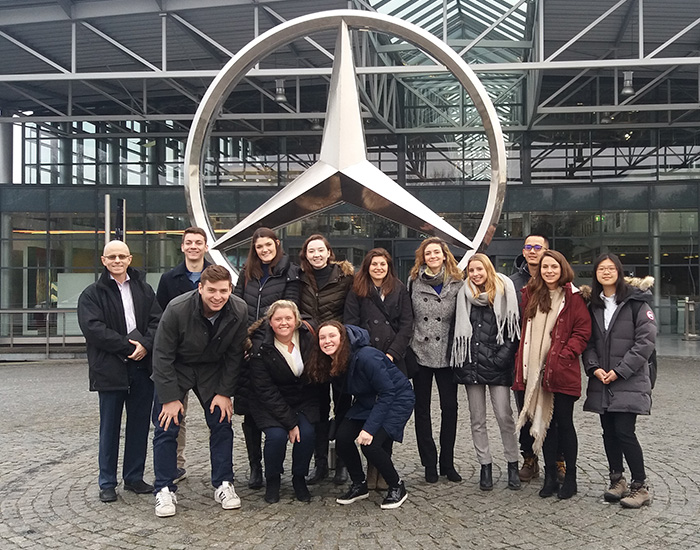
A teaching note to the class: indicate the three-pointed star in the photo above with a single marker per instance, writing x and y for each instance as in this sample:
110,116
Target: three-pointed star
343,173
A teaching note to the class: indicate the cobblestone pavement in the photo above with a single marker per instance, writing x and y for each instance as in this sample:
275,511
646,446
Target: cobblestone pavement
48,486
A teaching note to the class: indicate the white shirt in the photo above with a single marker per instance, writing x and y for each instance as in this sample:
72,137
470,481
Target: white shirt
294,360
610,307
127,303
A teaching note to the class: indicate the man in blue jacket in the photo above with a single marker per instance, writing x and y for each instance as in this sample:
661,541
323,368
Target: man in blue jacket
118,316
184,277
199,347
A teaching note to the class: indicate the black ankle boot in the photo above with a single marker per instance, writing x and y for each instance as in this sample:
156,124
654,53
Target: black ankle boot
272,491
341,473
431,474
569,488
550,482
319,474
486,479
300,489
255,481
450,473
513,476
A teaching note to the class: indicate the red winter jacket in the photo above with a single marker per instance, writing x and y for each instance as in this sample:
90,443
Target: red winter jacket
562,369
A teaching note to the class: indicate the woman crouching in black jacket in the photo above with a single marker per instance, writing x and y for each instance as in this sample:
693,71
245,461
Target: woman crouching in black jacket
283,403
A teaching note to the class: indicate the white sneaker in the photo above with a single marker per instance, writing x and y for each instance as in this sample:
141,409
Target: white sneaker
165,503
227,497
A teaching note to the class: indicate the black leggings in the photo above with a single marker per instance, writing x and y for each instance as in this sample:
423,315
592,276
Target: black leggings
561,434
619,438
378,452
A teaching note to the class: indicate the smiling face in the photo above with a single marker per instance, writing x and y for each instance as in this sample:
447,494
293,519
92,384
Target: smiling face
317,254
477,273
434,257
193,246
532,256
266,249
283,323
116,258
550,270
329,339
214,295
606,273
378,270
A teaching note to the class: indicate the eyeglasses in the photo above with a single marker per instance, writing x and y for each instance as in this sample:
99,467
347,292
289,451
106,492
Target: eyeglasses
121,257
529,247
604,269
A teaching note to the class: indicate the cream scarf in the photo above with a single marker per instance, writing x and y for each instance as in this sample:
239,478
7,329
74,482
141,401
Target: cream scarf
505,307
538,405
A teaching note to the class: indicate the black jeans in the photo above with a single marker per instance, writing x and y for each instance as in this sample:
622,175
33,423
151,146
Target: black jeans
619,439
525,439
561,435
341,403
447,390
378,452
276,440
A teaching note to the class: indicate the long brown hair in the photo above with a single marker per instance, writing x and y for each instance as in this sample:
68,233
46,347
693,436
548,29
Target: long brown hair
362,285
492,285
306,267
538,292
324,367
451,268
253,265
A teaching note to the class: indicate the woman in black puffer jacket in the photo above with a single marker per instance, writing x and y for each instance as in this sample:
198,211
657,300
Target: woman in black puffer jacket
268,275
284,404
486,339
617,364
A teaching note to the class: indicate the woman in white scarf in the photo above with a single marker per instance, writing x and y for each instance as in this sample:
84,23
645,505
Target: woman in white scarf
483,354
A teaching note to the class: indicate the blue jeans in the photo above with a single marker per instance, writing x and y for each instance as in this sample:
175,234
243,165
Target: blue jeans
165,447
276,448
138,400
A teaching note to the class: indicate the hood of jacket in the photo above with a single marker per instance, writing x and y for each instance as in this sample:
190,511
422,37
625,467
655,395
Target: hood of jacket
357,336
520,266
640,289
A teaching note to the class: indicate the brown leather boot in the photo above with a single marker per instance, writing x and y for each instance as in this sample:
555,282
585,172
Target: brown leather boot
530,469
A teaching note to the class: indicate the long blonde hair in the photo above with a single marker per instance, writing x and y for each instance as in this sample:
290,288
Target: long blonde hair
493,284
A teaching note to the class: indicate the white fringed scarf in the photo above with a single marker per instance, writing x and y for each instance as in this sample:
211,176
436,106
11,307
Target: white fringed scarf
505,307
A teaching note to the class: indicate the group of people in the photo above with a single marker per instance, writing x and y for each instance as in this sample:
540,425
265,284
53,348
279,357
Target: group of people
314,352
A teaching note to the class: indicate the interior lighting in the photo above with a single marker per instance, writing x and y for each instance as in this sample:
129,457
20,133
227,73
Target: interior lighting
627,87
280,96
316,125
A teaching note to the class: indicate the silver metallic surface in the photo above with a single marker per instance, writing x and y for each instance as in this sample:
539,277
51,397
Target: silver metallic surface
342,174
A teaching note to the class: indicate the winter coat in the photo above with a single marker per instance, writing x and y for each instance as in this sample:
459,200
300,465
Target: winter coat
572,329
101,319
389,321
520,277
327,303
433,321
625,348
282,284
491,363
175,282
277,395
382,395
191,353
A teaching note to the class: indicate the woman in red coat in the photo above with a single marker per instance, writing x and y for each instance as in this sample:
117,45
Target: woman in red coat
556,329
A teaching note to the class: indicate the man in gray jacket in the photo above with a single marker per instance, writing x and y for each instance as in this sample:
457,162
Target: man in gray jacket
198,346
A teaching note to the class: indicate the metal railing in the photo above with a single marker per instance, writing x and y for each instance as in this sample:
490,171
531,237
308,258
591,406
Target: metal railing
689,331
44,327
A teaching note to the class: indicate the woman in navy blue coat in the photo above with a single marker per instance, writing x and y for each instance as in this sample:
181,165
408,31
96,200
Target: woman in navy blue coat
383,401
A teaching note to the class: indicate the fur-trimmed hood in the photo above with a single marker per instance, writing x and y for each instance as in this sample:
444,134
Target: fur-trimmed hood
642,284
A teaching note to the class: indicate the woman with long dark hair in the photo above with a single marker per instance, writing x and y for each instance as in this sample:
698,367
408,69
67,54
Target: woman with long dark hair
325,284
284,404
379,303
617,364
382,404
556,329
267,275
486,339
434,282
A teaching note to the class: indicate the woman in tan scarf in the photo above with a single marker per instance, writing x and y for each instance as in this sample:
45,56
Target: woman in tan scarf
556,329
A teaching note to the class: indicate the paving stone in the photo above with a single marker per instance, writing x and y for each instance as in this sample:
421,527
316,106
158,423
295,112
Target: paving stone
49,493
